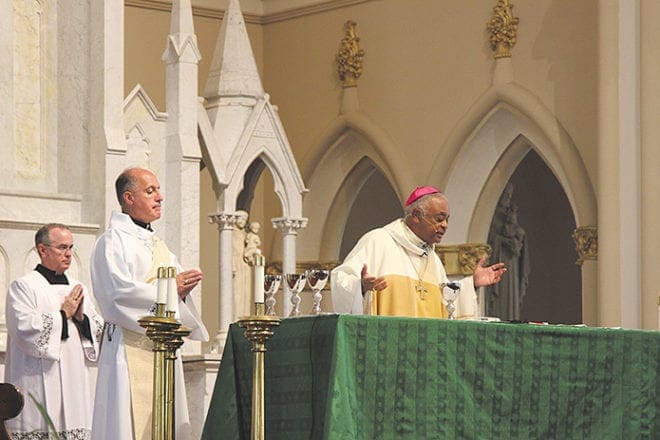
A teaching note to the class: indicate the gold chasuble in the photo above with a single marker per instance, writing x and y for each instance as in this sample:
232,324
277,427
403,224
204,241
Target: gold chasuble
411,267
140,356
422,303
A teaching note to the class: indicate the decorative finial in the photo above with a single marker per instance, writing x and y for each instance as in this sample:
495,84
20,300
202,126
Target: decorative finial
349,57
503,28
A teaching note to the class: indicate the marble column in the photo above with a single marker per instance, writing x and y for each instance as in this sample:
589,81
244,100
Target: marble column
226,224
289,229
107,137
182,150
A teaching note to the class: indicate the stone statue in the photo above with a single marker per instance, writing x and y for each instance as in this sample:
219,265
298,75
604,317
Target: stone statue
509,243
252,243
241,271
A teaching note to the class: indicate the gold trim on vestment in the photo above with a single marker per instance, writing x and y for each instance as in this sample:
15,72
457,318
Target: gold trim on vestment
139,354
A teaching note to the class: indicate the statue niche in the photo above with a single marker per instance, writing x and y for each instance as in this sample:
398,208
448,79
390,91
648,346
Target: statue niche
509,243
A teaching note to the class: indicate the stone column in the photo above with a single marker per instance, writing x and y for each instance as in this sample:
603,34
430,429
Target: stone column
650,166
182,150
619,186
226,223
107,139
289,228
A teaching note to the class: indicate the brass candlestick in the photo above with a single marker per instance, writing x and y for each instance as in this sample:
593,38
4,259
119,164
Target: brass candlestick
258,329
167,334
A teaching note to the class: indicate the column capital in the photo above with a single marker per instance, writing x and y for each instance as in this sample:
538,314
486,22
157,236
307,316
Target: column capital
462,259
224,220
289,225
586,243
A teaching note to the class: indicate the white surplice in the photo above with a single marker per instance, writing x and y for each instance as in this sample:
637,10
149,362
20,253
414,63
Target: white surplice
55,372
125,259
407,264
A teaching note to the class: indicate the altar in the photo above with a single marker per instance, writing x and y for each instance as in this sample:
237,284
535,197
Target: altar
366,377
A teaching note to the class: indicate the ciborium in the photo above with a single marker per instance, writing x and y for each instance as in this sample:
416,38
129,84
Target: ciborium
296,283
271,284
317,279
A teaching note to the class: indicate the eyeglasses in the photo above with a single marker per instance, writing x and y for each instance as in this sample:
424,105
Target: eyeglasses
62,247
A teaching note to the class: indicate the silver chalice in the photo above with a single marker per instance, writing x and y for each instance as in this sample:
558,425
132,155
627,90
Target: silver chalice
296,283
450,292
317,279
271,284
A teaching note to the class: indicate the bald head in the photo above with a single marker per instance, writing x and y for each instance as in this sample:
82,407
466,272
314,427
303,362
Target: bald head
138,193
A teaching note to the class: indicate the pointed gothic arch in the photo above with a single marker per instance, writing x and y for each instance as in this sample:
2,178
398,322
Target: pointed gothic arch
263,139
490,127
486,148
338,168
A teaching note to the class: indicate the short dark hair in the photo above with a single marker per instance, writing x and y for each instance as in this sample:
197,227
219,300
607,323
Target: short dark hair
43,234
125,182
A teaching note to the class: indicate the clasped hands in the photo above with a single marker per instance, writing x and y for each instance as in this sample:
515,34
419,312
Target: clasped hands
187,281
73,303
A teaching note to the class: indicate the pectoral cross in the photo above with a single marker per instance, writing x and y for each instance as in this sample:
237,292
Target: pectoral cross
421,290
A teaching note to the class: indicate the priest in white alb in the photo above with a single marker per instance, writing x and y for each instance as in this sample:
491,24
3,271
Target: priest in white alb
395,271
125,261
53,333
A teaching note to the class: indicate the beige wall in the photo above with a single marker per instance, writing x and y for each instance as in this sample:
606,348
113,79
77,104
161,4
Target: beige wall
146,34
427,62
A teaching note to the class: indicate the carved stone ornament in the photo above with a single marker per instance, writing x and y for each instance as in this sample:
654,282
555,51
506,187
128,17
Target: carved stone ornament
289,225
586,243
503,29
462,259
349,57
224,220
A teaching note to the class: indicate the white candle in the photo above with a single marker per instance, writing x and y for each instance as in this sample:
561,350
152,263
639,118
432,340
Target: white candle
259,261
161,286
172,295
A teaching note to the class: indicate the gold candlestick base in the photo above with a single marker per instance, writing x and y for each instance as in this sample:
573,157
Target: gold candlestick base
167,334
258,329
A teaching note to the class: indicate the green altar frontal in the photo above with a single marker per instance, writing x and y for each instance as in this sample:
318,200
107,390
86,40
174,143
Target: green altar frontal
366,377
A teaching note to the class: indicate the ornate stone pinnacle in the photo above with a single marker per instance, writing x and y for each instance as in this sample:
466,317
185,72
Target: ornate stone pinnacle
503,28
586,243
349,57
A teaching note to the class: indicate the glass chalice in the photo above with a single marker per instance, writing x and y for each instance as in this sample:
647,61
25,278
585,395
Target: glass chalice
317,279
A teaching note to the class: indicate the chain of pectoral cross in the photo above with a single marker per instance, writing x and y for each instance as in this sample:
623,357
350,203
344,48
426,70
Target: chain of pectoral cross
419,288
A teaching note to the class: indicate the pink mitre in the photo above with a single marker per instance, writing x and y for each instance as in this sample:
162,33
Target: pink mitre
421,191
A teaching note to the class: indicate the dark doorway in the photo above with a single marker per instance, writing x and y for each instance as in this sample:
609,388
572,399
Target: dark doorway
375,205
